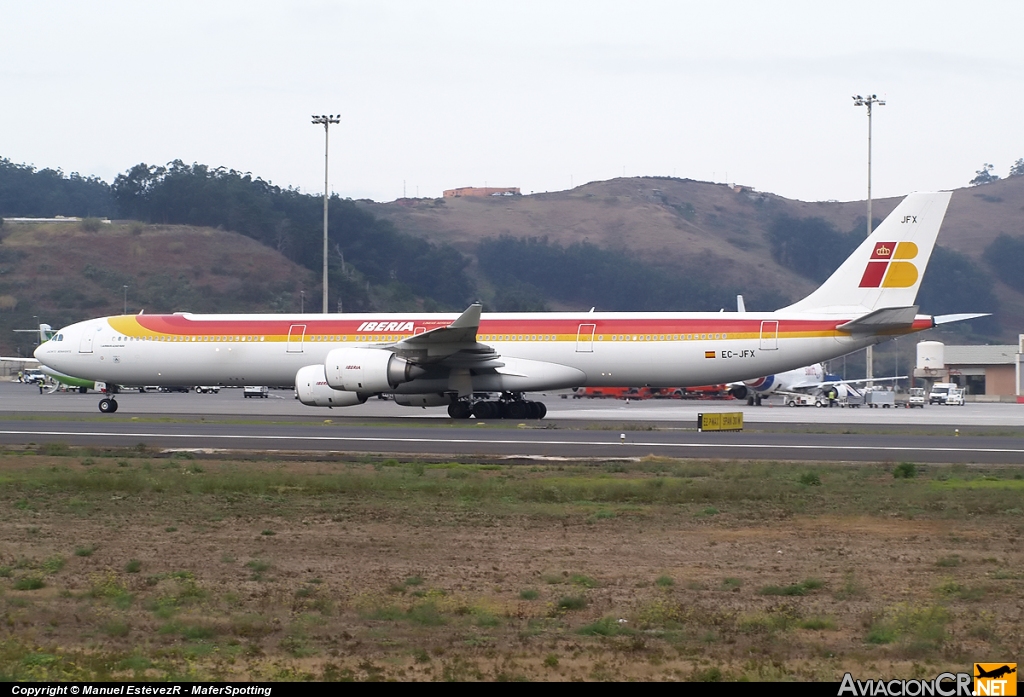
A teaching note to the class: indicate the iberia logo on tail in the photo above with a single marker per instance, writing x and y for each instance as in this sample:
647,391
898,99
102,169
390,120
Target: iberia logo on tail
889,266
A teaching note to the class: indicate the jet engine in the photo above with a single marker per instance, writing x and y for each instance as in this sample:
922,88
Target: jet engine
313,391
368,370
739,392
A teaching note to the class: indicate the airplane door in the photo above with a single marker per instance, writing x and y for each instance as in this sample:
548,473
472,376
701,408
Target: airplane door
585,338
296,333
85,346
770,335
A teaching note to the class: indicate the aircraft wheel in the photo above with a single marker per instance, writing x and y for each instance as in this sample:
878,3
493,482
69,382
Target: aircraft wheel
459,410
542,410
108,406
516,410
486,410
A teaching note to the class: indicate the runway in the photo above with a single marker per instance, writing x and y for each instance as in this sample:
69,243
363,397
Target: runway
976,433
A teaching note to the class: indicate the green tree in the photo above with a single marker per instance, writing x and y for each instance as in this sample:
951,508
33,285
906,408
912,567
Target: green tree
291,222
953,283
1017,169
26,191
524,271
1006,257
984,175
812,247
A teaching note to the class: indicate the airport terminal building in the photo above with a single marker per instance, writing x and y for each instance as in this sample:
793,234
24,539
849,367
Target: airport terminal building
990,373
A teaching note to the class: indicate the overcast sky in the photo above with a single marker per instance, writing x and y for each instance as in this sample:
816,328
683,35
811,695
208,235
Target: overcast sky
538,95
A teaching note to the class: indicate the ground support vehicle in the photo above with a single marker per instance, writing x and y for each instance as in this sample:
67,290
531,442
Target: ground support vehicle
33,375
880,398
940,391
917,398
853,400
805,400
261,391
955,397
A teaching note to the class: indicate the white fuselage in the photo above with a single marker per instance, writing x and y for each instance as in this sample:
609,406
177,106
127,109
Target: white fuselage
627,349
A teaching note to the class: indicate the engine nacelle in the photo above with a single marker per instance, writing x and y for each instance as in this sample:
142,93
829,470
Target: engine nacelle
368,370
432,399
739,392
313,391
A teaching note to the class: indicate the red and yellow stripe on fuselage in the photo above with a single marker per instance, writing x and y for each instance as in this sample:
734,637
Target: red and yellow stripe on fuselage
610,348
359,329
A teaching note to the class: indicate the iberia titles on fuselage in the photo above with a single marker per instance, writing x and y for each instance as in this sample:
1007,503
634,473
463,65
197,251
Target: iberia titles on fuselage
446,359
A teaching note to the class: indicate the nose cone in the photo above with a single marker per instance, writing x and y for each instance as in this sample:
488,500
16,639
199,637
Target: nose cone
46,352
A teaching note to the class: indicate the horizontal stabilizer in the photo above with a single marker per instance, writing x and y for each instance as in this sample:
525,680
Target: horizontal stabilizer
962,317
886,319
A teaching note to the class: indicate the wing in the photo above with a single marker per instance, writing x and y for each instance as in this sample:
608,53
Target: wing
827,383
454,346
805,387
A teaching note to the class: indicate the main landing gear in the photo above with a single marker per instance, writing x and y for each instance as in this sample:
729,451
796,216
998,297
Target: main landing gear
510,406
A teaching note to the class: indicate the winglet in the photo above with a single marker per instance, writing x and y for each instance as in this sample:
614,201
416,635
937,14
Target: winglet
468,319
458,335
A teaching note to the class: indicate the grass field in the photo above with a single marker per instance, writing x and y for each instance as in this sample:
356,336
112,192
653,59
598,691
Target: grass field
140,565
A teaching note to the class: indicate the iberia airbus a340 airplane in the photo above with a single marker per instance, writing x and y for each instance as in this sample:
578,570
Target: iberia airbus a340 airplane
445,360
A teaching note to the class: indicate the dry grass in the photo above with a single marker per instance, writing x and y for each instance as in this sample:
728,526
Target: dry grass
456,571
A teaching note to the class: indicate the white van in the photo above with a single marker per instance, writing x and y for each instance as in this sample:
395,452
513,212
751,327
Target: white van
256,391
940,391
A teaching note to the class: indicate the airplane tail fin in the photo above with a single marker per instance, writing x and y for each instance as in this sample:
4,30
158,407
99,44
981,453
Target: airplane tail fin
885,271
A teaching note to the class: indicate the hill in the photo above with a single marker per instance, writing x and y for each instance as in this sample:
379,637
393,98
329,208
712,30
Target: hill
65,272
692,227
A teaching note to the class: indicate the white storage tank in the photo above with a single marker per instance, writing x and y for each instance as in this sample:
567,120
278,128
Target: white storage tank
931,355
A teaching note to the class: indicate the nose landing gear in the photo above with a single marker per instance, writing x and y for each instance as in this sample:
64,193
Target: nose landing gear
108,405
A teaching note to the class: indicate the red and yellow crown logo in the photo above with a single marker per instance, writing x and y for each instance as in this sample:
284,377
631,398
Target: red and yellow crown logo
888,266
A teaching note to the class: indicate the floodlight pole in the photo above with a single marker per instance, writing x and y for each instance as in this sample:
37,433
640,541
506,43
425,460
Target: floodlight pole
326,120
869,101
